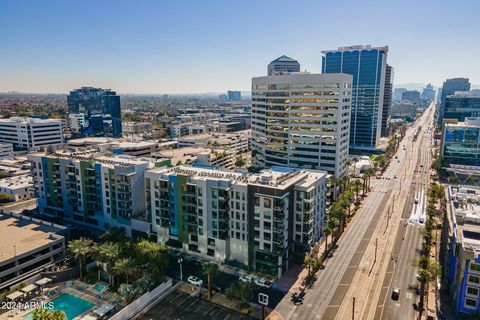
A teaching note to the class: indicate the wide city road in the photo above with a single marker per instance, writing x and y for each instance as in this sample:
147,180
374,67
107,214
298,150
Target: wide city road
402,271
354,261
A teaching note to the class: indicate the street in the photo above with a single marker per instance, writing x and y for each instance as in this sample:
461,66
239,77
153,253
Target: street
360,264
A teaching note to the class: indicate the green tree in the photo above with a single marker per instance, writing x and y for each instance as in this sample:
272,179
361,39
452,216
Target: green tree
209,269
44,314
239,162
327,231
310,263
115,235
107,253
125,266
242,291
5,198
79,250
152,257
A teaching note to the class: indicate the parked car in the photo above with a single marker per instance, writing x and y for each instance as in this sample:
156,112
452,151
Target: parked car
195,281
395,294
263,283
247,278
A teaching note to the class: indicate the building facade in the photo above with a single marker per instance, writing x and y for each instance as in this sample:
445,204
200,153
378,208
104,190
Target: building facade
17,187
387,100
461,143
6,150
462,105
283,65
102,109
462,267
368,66
428,94
262,221
234,95
301,120
412,96
92,190
31,133
450,86
28,246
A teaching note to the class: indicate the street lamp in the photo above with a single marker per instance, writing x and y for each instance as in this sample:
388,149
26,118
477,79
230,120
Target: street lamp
180,260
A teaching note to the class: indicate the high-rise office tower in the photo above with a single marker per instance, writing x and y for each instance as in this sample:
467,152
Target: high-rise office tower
449,87
387,100
413,96
428,93
101,108
234,95
283,65
368,66
462,105
301,120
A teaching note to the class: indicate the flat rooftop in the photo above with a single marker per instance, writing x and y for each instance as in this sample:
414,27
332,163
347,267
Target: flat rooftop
17,182
465,209
18,235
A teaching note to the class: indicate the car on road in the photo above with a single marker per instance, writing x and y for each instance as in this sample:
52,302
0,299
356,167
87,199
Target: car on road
195,281
421,166
395,294
247,278
416,201
264,283
421,220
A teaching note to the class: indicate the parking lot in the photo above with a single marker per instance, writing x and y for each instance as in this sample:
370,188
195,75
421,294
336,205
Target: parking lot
182,306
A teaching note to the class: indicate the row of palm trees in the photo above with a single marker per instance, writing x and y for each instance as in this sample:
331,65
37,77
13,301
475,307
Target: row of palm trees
116,258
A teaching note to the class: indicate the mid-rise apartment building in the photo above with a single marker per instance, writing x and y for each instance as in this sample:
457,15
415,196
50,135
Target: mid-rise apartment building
31,133
462,266
302,120
263,221
92,190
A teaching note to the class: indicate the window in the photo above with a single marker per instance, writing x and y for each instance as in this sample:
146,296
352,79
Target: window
267,236
474,279
475,267
470,303
472,291
267,203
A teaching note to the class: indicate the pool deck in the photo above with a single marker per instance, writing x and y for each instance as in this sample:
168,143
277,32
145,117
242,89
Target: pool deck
19,313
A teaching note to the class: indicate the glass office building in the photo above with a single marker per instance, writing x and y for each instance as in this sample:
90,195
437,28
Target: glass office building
368,67
461,143
462,105
450,86
100,108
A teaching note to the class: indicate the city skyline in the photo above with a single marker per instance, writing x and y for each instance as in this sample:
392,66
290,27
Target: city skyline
189,47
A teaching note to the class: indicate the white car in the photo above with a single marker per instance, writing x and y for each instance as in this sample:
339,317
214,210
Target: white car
263,283
195,281
246,278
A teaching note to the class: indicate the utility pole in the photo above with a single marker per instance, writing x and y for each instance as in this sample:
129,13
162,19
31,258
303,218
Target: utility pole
376,244
353,309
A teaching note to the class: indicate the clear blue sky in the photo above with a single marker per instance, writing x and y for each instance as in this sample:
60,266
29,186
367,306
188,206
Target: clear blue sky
187,46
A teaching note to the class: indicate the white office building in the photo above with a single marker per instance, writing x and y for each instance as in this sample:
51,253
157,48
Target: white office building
77,121
302,120
6,150
31,133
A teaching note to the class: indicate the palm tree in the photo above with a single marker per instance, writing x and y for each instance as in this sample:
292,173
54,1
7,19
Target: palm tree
328,231
356,189
242,291
124,266
107,253
45,314
310,263
209,269
79,249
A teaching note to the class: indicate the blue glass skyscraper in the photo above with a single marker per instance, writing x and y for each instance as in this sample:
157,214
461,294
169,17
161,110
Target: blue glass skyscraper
368,67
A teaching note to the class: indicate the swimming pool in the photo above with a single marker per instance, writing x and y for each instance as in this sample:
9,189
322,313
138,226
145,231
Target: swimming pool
68,303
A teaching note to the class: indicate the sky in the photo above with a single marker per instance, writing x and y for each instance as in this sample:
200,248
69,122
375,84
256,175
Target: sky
196,46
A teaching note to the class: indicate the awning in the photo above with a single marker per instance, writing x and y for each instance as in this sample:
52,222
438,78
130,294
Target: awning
29,288
43,281
103,309
14,295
